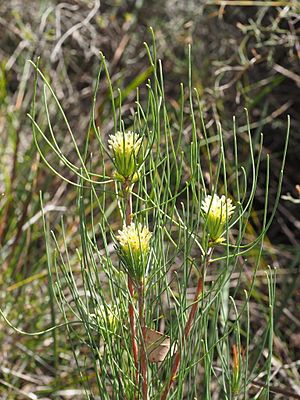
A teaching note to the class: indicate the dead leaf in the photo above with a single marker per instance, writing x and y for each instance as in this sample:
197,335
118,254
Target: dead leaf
157,345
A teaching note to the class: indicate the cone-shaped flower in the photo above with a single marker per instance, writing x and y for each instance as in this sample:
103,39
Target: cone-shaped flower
125,148
218,211
134,247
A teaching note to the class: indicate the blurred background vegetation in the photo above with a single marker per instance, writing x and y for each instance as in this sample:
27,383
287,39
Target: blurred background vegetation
245,54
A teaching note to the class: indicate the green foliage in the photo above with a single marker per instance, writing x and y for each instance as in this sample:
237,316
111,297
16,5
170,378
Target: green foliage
242,57
178,170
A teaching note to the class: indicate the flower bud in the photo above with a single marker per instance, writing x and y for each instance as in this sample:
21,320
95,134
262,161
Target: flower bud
134,247
106,318
218,211
125,148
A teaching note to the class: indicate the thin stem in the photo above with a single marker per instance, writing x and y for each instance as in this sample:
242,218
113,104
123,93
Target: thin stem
187,328
128,202
133,327
143,354
128,218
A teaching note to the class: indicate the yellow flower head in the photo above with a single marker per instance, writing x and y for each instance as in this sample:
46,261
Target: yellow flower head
125,143
218,211
125,148
134,241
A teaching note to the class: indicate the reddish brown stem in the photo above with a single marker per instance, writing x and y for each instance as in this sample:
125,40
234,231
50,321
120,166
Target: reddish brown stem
134,346
128,203
143,354
187,330
133,328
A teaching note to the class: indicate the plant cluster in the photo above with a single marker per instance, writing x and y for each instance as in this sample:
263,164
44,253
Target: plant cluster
161,217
